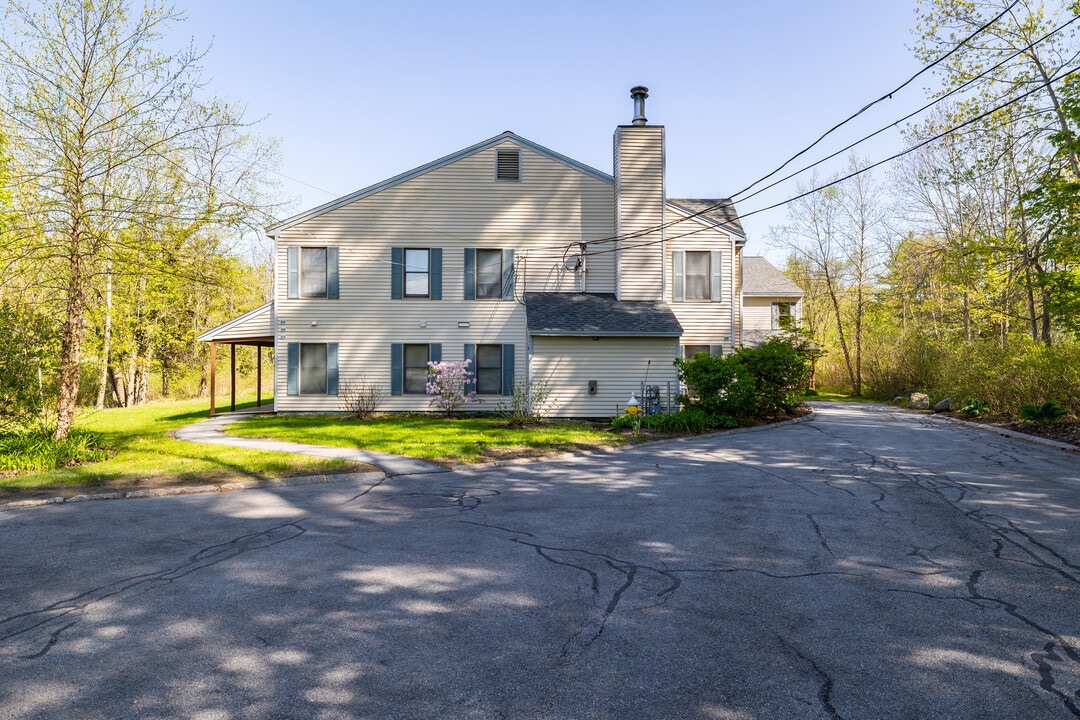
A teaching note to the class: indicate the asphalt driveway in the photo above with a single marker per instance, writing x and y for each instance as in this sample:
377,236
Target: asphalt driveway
869,563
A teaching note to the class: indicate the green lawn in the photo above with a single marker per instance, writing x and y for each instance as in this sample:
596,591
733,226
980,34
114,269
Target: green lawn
468,440
838,397
145,456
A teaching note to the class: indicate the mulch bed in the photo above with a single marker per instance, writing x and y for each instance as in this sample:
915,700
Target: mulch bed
1064,430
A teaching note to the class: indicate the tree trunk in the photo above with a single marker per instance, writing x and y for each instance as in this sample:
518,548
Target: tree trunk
106,343
71,343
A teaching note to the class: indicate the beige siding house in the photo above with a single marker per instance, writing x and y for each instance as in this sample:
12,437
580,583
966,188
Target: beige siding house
770,300
531,265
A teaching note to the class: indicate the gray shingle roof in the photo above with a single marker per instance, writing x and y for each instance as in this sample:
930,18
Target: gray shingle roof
562,314
760,277
719,210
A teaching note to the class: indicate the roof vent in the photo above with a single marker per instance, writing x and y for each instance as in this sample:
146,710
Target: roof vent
639,93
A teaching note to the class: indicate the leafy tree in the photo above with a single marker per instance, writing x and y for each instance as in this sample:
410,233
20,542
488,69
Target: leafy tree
117,166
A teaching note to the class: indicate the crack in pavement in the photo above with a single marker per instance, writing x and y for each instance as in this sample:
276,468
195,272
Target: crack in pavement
20,624
825,690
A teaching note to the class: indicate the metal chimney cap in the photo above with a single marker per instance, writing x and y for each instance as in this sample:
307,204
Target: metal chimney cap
639,93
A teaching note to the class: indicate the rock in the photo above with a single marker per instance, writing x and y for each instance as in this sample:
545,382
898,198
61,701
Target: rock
945,405
919,401
898,399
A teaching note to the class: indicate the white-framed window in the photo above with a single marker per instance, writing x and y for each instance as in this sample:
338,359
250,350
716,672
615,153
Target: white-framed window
489,274
312,272
783,315
698,275
312,369
489,369
417,272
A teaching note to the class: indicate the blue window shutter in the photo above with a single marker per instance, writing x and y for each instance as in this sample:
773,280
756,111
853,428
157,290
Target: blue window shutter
397,273
435,352
332,273
508,370
508,275
470,355
717,276
435,259
470,273
678,273
331,368
397,370
293,282
292,383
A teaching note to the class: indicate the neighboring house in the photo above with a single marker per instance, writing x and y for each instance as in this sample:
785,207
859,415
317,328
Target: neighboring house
770,301
529,264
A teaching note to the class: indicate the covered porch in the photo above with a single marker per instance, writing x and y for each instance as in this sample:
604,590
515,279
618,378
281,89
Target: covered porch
254,328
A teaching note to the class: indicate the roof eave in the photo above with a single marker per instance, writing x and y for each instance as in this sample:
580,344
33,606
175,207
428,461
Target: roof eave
601,333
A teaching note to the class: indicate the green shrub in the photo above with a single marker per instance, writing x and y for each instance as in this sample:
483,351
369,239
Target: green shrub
973,407
528,404
36,451
780,371
1043,414
685,421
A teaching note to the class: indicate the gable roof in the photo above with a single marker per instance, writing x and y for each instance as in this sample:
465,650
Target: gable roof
760,277
574,314
719,211
453,157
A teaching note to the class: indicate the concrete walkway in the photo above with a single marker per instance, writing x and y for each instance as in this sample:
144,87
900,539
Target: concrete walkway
209,432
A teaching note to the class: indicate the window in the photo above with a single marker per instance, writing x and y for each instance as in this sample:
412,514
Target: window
416,369
697,276
507,165
489,274
416,273
690,351
783,315
312,369
489,369
313,272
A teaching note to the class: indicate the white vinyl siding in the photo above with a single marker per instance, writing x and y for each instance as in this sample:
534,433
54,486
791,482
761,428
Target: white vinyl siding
640,211
618,365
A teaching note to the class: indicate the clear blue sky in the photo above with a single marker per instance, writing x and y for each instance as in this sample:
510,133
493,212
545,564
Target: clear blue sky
361,91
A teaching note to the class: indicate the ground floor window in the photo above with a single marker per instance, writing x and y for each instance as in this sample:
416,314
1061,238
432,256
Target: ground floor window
690,351
416,368
489,369
312,369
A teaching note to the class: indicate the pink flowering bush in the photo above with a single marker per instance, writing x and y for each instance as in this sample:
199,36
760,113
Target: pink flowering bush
447,381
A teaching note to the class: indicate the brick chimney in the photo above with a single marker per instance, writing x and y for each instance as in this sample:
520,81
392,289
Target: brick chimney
639,205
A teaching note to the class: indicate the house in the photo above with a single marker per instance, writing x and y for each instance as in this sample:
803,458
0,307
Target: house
770,301
529,264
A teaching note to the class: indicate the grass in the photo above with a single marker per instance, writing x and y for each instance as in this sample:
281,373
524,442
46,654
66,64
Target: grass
459,440
838,397
142,454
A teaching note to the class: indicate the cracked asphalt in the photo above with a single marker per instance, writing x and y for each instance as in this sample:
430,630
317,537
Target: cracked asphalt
869,563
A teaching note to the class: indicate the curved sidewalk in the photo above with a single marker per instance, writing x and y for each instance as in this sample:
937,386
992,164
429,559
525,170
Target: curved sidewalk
209,432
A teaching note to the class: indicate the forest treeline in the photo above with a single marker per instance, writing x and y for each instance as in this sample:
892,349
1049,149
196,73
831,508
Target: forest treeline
956,270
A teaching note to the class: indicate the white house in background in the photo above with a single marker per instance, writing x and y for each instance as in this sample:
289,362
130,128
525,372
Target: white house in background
769,298
533,266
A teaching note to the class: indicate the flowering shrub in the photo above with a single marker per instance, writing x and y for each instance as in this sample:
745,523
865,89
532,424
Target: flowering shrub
447,381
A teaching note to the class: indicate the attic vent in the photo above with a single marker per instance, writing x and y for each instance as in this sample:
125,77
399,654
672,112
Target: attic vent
507,165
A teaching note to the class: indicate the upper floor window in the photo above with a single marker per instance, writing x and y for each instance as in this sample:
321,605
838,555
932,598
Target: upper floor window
507,165
696,275
417,269
312,272
489,274
416,273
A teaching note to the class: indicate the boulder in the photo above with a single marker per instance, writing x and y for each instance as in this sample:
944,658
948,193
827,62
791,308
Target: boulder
945,405
919,401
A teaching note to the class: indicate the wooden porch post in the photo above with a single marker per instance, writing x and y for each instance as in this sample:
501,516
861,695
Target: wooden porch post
213,378
258,376
232,364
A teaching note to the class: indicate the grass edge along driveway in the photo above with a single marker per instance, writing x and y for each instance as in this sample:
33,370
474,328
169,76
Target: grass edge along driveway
470,439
